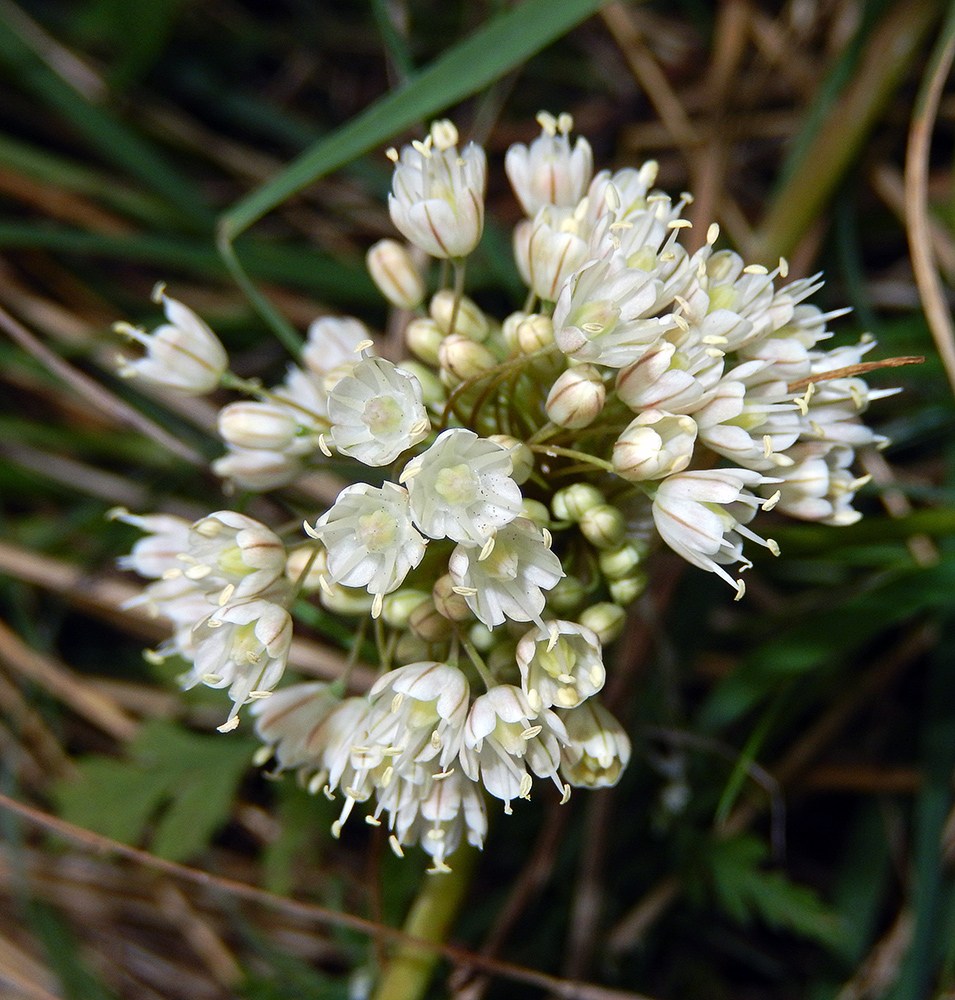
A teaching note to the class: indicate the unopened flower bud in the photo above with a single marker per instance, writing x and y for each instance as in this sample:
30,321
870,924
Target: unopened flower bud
533,333
470,322
567,594
603,526
628,589
262,426
432,391
397,606
428,624
423,338
570,503
535,511
577,397
482,638
522,458
393,271
654,445
258,470
449,604
509,330
619,562
606,620
411,649
301,557
462,358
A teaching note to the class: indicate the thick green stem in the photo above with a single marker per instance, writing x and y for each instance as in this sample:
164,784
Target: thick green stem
408,973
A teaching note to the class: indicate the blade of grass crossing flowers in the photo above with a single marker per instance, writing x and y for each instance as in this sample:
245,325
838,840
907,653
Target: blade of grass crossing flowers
483,57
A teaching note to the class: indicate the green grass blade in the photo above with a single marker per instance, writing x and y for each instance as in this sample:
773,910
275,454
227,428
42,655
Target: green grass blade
479,60
107,135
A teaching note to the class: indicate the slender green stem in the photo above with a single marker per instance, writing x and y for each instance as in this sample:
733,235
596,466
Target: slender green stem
581,456
408,974
477,660
460,267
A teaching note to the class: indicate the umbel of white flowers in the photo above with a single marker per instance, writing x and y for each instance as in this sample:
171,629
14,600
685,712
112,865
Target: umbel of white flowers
509,480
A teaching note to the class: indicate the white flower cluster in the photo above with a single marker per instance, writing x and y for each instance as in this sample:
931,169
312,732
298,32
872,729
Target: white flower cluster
526,468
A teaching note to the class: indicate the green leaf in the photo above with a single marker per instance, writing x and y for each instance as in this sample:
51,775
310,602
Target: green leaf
104,131
747,891
181,782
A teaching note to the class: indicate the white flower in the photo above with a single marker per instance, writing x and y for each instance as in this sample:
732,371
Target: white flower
435,814
655,444
233,552
243,647
692,513
819,486
550,247
461,487
370,539
333,343
677,380
560,665
507,582
600,749
576,397
605,313
417,715
437,199
377,412
157,553
287,721
183,354
504,737
550,172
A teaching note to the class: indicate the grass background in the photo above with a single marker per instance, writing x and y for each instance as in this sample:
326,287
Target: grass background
785,829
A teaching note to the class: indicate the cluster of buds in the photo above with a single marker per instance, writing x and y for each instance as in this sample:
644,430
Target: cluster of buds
511,478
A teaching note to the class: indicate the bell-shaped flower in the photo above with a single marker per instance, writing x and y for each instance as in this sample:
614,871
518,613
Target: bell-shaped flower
461,487
653,445
677,380
606,313
335,342
437,193
818,486
436,814
506,741
377,412
370,539
234,553
158,553
599,747
508,580
561,665
243,647
183,354
286,721
417,715
550,247
550,171
701,515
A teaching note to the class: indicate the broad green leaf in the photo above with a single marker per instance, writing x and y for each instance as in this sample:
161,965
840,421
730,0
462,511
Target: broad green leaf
748,891
182,782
